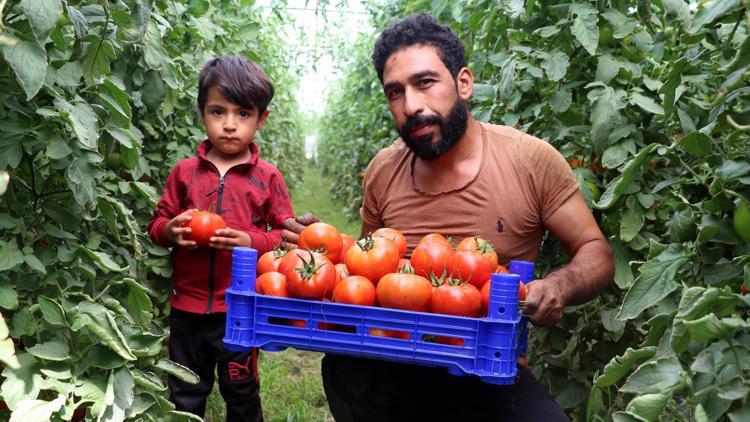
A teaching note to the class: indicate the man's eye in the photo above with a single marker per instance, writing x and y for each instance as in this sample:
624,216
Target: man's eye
424,83
395,93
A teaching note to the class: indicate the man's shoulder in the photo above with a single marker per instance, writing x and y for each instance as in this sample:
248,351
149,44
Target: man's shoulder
390,154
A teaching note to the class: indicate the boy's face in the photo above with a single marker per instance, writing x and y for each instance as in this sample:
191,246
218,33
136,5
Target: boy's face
230,127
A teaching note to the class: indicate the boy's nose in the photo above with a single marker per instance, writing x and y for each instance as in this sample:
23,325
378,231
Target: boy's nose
230,122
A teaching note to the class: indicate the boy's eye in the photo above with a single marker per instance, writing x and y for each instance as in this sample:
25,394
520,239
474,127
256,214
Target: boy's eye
245,114
217,112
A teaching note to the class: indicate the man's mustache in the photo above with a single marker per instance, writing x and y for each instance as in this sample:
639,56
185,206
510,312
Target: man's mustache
419,120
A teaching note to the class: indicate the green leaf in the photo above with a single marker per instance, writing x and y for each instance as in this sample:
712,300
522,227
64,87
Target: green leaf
556,65
139,306
741,414
614,156
648,406
181,372
662,375
148,380
619,184
607,68
10,256
711,12
646,103
42,15
22,383
29,62
561,101
631,224
673,81
52,311
118,397
24,323
34,263
741,59
622,256
36,410
584,26
697,143
734,390
655,282
101,323
710,327
731,170
484,92
622,26
677,9
8,295
621,365
51,350
82,119
102,260
82,177
96,60
605,114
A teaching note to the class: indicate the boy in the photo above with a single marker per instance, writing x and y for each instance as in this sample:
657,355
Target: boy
229,177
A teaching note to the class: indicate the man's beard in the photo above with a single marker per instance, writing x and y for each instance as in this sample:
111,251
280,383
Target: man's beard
451,130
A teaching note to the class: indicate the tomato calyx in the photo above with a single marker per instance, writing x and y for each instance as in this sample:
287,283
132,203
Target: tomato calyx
308,268
366,243
484,246
438,281
406,269
280,251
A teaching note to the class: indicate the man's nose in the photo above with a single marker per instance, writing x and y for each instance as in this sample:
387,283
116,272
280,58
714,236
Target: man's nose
413,103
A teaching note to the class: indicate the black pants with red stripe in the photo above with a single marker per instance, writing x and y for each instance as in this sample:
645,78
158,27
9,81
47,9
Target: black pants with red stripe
195,341
366,390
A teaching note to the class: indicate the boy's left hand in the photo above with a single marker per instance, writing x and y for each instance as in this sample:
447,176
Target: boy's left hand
228,239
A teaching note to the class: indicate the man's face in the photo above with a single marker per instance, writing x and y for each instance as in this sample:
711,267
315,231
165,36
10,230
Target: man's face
430,116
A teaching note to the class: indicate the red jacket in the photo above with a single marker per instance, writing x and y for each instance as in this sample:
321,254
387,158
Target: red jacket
248,197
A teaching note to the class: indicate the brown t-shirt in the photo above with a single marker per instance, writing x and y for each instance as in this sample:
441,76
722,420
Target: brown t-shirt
522,181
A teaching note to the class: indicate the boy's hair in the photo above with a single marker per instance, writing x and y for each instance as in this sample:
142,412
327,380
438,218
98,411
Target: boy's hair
419,29
239,80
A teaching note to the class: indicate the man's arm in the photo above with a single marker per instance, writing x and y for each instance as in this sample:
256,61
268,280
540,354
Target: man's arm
589,272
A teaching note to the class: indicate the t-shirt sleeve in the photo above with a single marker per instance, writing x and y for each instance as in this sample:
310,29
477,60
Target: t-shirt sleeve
552,178
370,210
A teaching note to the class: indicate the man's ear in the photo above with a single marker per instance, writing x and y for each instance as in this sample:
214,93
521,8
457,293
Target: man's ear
262,119
465,83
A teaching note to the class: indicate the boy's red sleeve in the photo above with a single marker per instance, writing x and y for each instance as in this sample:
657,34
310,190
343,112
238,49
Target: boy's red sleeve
169,206
277,210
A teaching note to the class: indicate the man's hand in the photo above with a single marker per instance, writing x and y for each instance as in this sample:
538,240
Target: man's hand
229,239
544,302
294,226
176,233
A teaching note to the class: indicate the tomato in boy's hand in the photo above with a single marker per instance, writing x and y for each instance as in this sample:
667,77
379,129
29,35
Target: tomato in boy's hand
203,226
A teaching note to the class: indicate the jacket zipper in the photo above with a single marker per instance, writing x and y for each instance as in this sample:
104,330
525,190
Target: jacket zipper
212,261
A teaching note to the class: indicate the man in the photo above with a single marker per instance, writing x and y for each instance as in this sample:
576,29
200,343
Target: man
449,173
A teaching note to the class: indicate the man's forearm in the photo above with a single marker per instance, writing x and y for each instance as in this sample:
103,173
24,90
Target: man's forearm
587,274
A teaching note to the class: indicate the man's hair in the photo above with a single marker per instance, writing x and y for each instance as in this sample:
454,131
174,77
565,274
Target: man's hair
239,80
420,29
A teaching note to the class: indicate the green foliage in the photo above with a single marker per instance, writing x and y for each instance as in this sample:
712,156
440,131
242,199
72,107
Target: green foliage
649,101
97,103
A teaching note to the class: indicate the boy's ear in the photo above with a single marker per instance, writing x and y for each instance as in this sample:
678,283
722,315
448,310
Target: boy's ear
262,119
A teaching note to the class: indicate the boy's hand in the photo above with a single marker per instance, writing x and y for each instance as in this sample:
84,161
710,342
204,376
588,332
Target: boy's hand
294,226
228,239
176,233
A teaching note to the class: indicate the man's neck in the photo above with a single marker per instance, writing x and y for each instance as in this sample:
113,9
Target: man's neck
456,167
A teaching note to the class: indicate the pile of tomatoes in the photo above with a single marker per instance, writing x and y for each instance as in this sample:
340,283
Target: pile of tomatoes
372,271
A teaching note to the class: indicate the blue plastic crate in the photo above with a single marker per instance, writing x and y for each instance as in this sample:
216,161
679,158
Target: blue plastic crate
491,346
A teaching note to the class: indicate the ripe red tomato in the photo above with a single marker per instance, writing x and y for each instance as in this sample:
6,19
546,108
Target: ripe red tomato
346,243
321,237
292,257
396,236
272,283
382,332
312,277
404,291
435,237
460,300
470,266
431,258
270,261
355,290
203,226
480,245
501,270
372,258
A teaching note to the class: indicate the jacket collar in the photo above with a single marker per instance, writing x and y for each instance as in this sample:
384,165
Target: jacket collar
205,146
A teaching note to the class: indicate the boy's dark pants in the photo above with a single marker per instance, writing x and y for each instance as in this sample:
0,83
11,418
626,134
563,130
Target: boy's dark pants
195,341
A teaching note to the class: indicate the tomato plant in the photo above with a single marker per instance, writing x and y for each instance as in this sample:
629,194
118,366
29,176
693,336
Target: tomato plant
741,221
355,290
321,237
404,291
372,258
203,226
